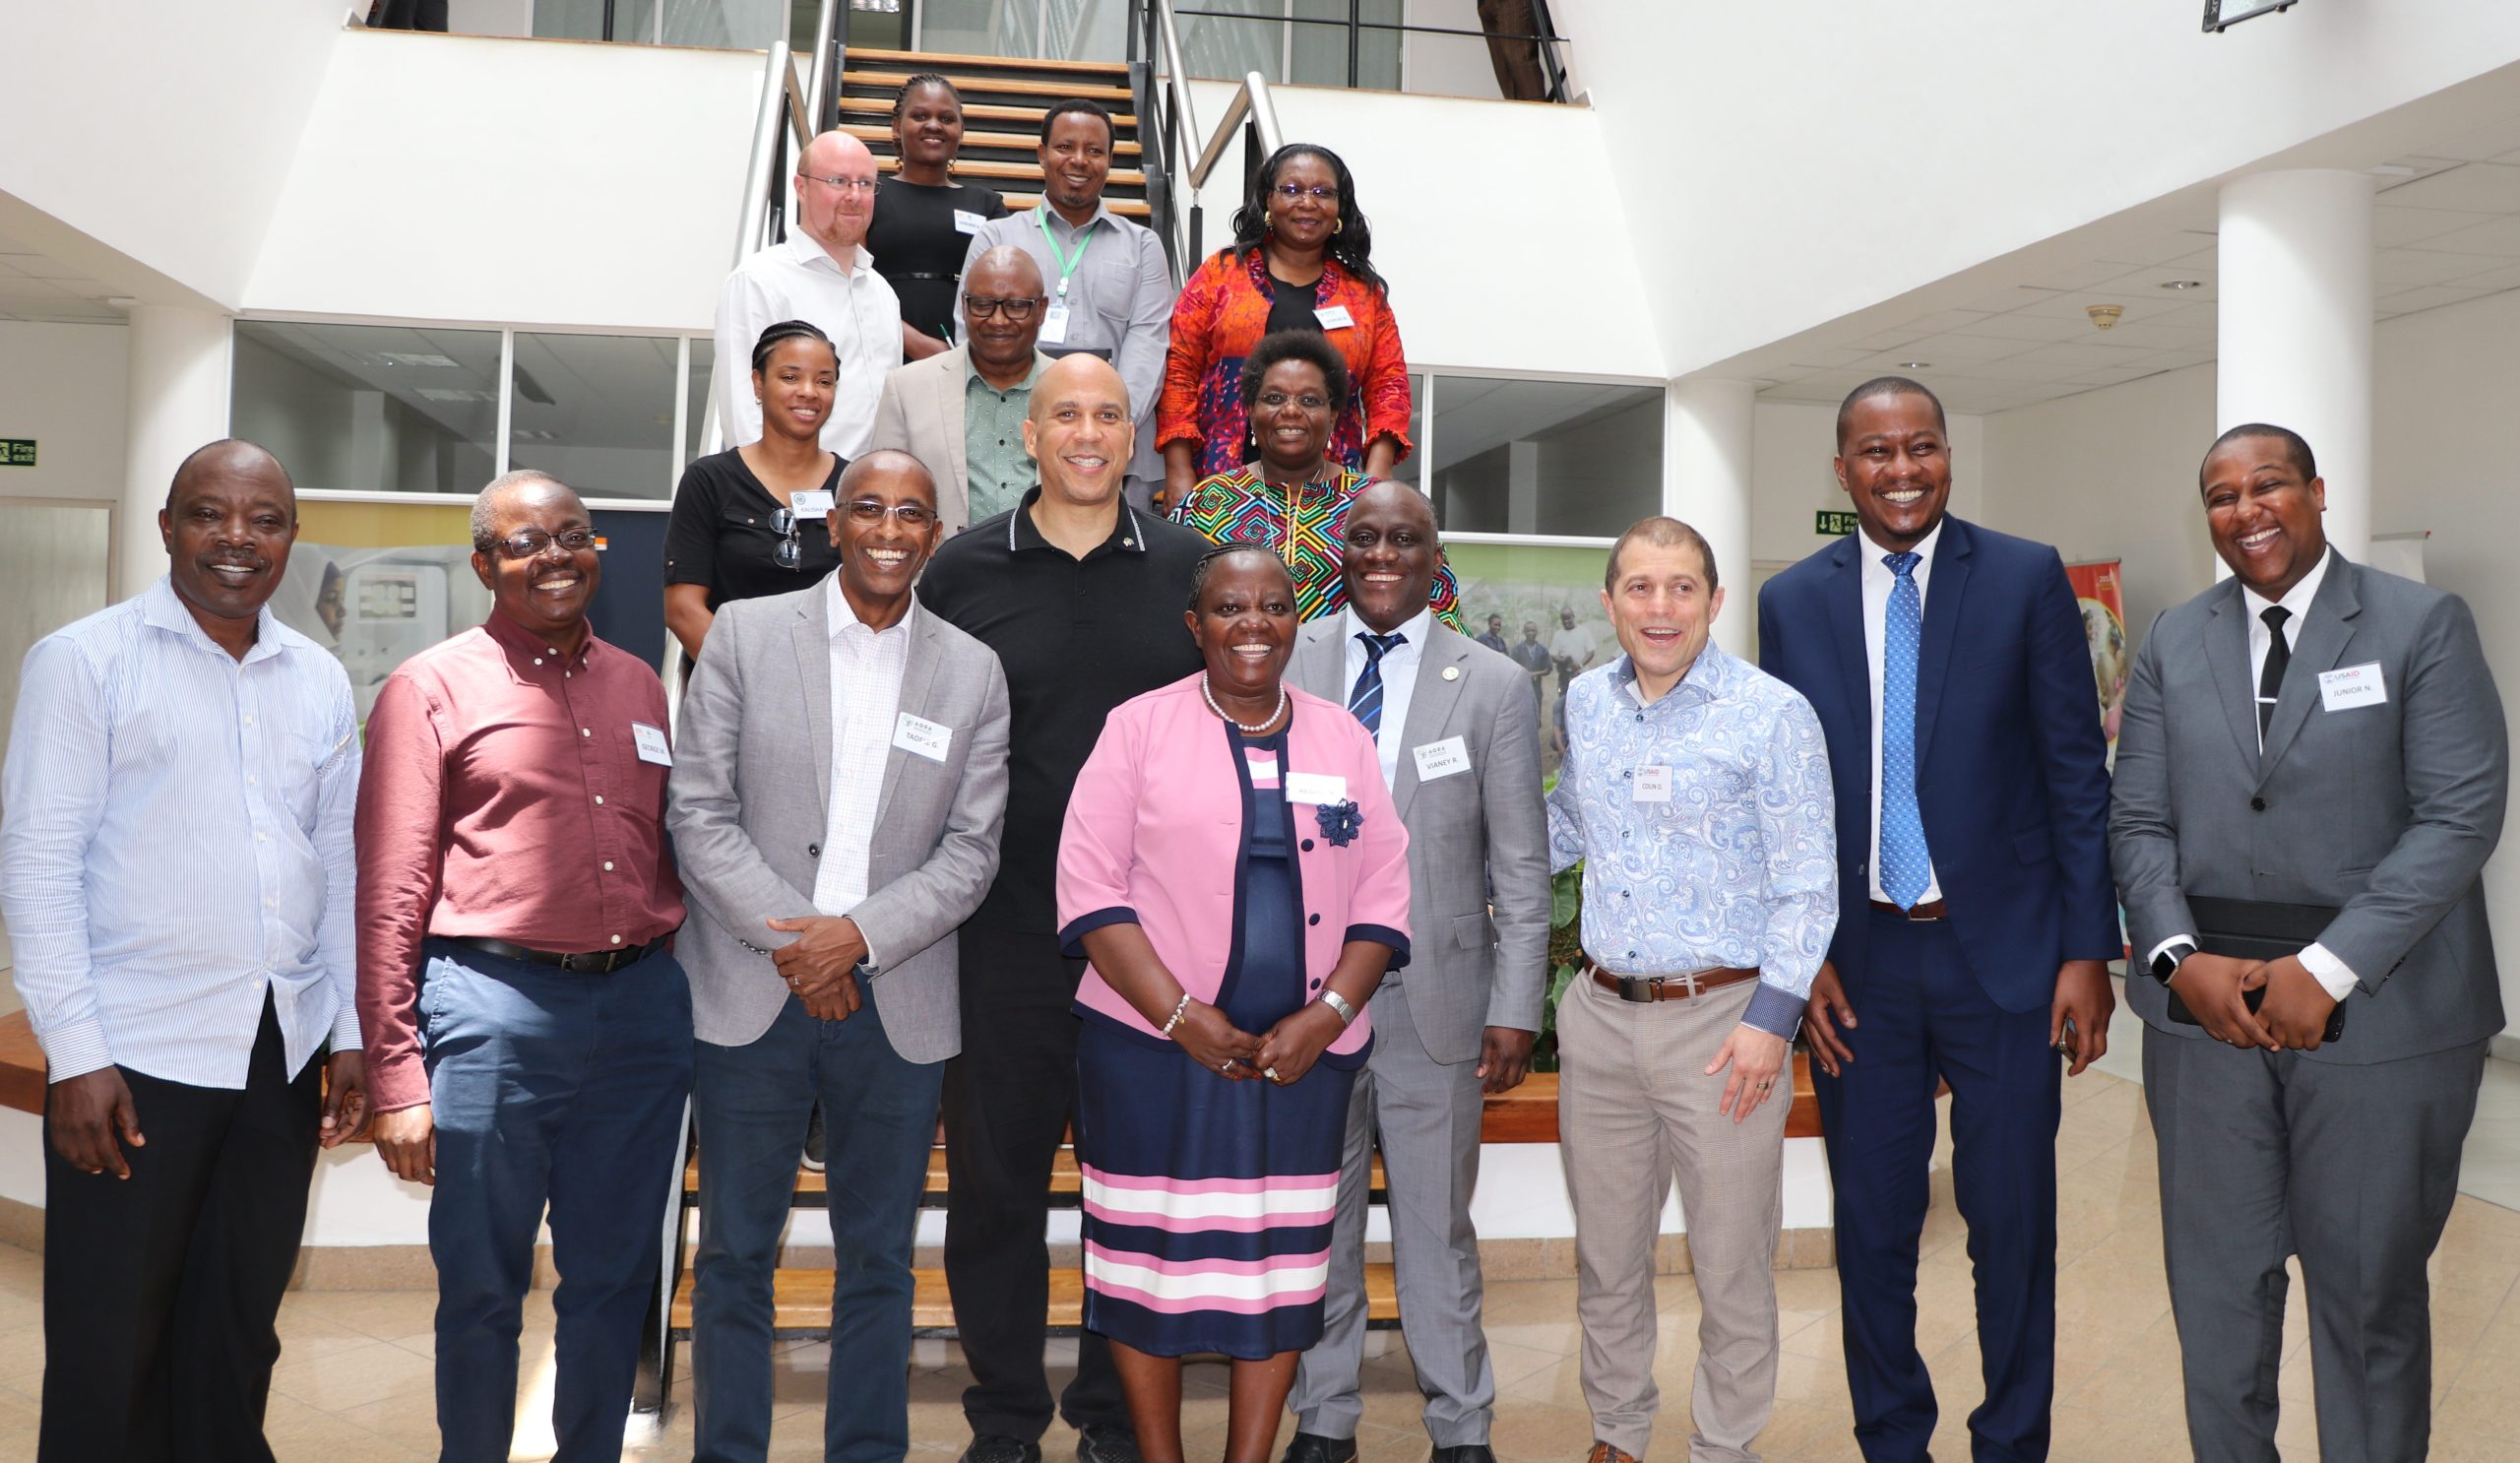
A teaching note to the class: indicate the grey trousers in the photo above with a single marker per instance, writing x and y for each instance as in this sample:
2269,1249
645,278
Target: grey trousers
1425,1114
1635,1108
2265,1154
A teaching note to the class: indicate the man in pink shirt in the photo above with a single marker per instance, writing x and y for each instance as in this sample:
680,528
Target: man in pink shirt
529,1030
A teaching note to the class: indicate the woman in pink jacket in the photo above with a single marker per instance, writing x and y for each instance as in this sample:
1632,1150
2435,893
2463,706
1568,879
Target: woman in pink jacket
1234,871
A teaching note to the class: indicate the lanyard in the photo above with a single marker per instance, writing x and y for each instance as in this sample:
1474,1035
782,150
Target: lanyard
1067,264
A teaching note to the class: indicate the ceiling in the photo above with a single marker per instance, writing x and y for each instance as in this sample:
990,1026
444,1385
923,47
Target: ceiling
36,287
2447,229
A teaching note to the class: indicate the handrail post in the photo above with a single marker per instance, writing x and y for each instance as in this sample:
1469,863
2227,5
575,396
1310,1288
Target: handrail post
1354,6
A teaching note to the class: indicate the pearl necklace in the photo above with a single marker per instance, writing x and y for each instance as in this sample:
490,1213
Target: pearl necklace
1247,730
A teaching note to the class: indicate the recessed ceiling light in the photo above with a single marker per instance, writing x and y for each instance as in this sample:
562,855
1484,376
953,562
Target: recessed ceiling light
1915,365
2182,284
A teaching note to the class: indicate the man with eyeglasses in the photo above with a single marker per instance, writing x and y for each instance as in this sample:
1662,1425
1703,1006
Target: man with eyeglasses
528,1029
820,273
1081,595
1109,285
836,807
962,411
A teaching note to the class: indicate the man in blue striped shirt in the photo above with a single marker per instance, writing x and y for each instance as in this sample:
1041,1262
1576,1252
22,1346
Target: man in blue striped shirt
177,875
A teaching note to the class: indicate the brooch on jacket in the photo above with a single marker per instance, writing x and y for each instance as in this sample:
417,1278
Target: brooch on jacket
1339,822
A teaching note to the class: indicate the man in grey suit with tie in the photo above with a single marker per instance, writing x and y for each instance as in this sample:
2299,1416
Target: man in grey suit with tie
820,943
2311,748
1460,740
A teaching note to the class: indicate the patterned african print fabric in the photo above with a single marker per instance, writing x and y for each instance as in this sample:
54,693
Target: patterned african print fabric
1240,507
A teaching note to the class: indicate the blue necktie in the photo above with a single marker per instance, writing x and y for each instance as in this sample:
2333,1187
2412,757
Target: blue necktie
1364,703
1905,869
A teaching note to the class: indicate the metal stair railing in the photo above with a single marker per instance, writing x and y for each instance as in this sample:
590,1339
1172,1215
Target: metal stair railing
1168,132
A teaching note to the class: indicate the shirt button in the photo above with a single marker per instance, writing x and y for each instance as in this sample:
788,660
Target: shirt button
249,721
598,800
607,865
251,779
586,730
262,837
538,660
616,939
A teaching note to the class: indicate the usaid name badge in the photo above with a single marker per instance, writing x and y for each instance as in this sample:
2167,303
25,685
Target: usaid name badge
1315,787
921,737
966,222
2350,686
651,742
1335,317
808,506
1441,758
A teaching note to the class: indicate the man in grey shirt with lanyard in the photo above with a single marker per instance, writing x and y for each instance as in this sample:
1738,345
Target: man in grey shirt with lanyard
1110,287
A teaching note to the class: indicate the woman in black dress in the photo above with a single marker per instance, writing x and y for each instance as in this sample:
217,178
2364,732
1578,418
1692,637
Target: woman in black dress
923,219
749,521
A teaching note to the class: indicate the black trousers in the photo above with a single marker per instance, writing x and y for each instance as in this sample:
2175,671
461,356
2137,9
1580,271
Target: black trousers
160,1291
1008,1100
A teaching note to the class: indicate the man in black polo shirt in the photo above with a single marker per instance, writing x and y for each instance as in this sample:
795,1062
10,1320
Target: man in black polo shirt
1081,597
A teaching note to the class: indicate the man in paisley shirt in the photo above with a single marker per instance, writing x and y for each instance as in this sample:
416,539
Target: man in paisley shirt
1695,791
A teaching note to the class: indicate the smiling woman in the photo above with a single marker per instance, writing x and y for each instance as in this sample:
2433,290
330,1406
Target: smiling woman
924,218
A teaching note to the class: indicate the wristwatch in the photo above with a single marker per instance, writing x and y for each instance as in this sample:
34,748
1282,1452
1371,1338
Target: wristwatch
2167,963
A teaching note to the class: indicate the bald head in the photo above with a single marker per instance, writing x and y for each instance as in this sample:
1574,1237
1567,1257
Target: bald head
1387,555
1390,497
1079,432
1005,272
836,194
230,457
887,464
230,520
1076,379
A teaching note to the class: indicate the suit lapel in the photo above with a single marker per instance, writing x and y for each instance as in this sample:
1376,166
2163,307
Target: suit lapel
1430,709
1845,631
2226,654
952,397
1947,585
2326,630
919,676
1319,660
811,634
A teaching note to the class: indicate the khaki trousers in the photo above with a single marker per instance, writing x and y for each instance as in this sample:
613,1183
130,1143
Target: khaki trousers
1635,1109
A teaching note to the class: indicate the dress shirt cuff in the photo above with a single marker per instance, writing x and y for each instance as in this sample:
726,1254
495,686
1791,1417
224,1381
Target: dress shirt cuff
395,1085
2330,972
346,1037
75,1050
2176,939
1775,1010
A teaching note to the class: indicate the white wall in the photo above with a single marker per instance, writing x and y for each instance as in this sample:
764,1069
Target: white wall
63,385
1791,478
1802,161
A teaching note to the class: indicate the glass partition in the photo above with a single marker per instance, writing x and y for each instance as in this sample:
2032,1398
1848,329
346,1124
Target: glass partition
371,409
1559,459
596,412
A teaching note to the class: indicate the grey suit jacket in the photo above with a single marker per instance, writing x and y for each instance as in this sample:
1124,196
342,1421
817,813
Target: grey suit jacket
920,412
1469,968
755,735
2387,812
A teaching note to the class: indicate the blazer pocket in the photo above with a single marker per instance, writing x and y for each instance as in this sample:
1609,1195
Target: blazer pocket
2034,846
1474,932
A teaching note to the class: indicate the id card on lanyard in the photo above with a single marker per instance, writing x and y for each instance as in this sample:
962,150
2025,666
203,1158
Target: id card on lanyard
1055,319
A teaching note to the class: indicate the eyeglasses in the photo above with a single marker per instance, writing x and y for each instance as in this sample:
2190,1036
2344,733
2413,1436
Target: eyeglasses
982,306
843,185
912,516
1276,401
533,543
789,555
1318,192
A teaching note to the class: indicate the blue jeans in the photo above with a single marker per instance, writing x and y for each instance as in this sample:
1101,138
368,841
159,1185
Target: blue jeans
879,1123
569,1089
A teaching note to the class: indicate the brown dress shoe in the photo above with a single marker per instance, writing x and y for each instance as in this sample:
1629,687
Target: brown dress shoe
1602,1453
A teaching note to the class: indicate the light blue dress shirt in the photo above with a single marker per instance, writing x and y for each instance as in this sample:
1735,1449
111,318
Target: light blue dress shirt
1738,867
176,842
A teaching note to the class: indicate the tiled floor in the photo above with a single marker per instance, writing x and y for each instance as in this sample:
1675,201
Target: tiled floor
355,1380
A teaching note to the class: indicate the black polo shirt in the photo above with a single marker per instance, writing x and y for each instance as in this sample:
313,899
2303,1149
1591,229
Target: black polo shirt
1077,637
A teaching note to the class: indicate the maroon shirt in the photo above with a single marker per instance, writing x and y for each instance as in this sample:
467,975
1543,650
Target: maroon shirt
504,797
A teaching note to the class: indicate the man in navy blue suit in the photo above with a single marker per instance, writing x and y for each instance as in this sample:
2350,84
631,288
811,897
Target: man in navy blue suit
1949,668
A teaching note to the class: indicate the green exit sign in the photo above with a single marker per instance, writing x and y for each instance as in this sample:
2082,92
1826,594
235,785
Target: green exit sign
1836,523
16,452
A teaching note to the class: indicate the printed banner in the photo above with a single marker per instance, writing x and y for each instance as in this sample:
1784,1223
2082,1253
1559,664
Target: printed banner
2103,605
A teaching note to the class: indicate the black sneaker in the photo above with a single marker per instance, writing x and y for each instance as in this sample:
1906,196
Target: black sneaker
814,1145
1107,1442
990,1448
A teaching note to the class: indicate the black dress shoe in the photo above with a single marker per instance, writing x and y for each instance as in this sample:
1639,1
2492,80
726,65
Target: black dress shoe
1463,1452
990,1448
1310,1448
1107,1442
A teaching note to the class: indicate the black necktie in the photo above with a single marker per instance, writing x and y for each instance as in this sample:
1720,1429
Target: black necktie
2270,681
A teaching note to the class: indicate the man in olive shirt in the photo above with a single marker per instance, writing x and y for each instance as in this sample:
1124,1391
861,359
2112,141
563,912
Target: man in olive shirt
1081,595
962,411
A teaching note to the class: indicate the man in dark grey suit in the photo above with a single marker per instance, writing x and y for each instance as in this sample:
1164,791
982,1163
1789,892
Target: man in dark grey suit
836,798
2312,747
1459,742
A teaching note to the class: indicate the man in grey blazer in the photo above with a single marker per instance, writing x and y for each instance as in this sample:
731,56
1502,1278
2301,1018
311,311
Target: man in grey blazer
962,411
838,786
2321,745
1459,742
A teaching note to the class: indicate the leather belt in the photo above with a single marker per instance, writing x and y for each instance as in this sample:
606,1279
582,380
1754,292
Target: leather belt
595,963
1678,987
1930,910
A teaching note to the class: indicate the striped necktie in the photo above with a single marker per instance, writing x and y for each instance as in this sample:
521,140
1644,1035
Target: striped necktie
1364,703
1906,870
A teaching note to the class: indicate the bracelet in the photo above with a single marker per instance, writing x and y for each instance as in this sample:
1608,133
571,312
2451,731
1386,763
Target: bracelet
1177,1010
1338,1004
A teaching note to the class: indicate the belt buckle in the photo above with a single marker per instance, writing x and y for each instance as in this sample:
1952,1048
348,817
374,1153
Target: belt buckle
1637,989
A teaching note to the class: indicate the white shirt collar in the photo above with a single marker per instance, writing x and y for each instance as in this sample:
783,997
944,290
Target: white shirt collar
2297,598
1872,552
1414,629
809,251
843,615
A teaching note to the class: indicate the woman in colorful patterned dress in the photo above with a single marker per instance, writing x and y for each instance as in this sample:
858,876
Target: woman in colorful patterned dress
1302,259
1234,872
1292,500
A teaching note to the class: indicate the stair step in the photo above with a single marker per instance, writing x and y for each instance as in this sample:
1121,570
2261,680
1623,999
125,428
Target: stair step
1029,172
891,80
800,1303
1027,143
1126,208
1029,116
1065,1186
947,61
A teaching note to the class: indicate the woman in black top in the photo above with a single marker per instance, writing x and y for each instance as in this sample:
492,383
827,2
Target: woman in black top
923,219
737,531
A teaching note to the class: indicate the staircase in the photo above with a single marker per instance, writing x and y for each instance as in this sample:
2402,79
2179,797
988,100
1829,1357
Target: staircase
1003,101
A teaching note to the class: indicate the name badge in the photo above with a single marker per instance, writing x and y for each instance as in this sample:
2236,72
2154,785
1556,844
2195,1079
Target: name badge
1315,787
2352,686
1333,318
1441,758
809,505
1054,324
921,737
1652,784
966,222
652,744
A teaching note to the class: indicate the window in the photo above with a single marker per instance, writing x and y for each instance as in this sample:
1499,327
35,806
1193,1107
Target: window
596,412
1550,458
371,409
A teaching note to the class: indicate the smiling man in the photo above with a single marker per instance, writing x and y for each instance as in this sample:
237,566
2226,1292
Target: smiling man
1948,666
1081,595
529,1028
175,871
821,945
1460,748
962,413
1695,791
2312,772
